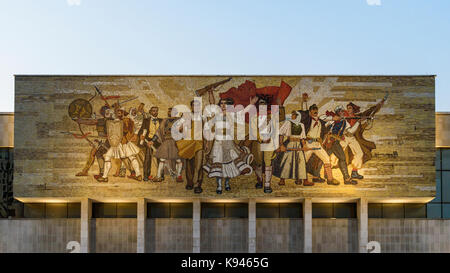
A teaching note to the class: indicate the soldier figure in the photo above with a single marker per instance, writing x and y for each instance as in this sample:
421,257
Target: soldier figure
315,131
338,126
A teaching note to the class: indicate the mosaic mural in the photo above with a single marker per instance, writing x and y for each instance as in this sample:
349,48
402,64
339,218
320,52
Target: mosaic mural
224,136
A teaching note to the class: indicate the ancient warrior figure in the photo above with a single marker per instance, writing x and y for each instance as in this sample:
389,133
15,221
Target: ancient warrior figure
100,145
119,132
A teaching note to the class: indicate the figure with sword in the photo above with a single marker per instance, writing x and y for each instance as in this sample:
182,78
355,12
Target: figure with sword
119,132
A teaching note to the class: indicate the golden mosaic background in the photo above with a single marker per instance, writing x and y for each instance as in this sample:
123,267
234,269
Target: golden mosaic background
46,161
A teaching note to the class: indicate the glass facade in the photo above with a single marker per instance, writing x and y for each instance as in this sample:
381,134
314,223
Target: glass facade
439,207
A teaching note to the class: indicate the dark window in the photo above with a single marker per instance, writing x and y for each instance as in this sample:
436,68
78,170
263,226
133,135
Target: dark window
445,186
438,198
126,210
393,211
434,211
213,210
74,210
158,210
291,210
236,210
446,211
415,210
114,210
344,210
267,210
181,210
445,159
322,210
53,210
104,210
375,210
438,159
34,210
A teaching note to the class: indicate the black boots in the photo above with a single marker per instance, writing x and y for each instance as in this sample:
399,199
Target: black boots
356,175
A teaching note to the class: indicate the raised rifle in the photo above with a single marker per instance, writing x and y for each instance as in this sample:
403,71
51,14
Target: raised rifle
204,90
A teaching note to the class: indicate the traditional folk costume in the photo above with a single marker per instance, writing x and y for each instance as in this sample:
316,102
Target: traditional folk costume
226,160
149,128
192,151
268,95
99,148
334,137
315,132
358,149
267,137
120,131
292,163
167,150
349,140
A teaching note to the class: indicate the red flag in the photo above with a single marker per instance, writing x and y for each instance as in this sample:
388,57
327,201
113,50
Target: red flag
242,94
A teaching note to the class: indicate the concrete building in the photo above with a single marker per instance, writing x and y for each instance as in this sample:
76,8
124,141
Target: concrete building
82,221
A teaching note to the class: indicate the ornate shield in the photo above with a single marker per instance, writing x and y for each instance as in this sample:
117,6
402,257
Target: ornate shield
114,129
80,108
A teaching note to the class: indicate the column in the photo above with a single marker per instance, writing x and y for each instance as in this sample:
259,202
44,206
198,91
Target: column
307,225
363,225
196,226
141,221
86,215
251,226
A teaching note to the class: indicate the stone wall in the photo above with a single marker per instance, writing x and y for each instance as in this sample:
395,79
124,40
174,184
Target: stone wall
118,235
334,235
6,129
224,235
38,235
168,235
279,235
410,235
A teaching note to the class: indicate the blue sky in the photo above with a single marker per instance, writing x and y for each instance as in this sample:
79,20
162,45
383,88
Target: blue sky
225,37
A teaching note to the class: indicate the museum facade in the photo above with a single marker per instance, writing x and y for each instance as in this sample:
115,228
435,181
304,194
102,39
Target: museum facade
90,164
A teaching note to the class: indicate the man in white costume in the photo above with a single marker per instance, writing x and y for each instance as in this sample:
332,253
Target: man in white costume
120,131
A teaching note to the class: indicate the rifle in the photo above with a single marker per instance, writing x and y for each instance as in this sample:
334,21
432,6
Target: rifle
361,117
122,102
304,149
298,149
204,90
